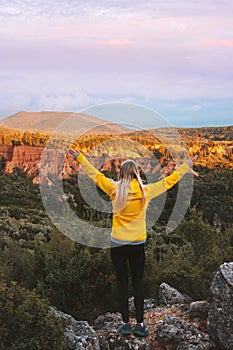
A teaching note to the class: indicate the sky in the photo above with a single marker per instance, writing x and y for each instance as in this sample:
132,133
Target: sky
175,57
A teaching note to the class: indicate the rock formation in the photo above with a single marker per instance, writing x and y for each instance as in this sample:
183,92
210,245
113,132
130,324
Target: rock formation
199,309
107,328
6,152
54,161
176,334
169,296
26,158
78,334
104,335
170,327
220,319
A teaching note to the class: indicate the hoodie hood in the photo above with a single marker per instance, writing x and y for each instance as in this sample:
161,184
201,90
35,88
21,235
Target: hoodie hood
134,188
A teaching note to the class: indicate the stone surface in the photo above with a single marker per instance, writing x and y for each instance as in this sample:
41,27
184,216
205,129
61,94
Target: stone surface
199,309
176,334
111,337
227,272
26,158
78,334
62,315
118,342
107,321
169,296
6,152
148,304
220,319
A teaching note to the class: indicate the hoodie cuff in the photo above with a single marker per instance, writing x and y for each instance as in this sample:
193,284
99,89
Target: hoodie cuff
80,158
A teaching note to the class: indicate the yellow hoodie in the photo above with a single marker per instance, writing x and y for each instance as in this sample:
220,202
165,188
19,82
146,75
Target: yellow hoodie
129,226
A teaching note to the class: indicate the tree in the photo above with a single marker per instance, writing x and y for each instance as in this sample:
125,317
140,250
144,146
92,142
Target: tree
27,138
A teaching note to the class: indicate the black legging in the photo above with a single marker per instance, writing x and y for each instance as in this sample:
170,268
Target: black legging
135,254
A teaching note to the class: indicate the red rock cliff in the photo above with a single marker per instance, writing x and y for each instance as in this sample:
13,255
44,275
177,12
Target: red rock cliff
6,152
24,157
29,158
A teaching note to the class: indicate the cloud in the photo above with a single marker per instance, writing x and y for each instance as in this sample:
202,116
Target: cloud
93,10
113,42
197,107
178,26
45,91
63,53
218,43
9,11
64,102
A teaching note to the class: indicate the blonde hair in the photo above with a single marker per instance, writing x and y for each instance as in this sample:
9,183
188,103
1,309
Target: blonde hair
128,171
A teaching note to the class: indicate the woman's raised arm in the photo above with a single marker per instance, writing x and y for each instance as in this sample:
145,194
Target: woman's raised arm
159,187
106,184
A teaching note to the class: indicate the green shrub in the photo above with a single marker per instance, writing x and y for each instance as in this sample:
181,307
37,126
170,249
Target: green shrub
26,321
76,279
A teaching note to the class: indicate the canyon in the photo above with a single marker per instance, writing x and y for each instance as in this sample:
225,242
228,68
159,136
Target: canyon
28,158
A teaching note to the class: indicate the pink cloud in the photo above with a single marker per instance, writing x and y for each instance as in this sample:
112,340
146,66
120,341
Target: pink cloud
164,49
218,43
113,42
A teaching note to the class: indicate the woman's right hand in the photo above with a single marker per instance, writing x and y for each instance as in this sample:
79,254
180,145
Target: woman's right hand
75,153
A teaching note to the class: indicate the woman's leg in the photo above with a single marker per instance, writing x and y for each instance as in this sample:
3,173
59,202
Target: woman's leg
120,264
137,263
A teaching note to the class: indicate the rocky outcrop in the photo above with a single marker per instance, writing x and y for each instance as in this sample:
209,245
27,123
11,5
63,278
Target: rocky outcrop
176,334
104,335
78,334
6,152
53,161
220,319
108,321
170,327
110,338
170,296
26,158
199,309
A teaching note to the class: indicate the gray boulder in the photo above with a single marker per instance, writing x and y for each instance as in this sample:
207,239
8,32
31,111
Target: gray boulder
78,334
109,321
118,342
176,334
169,296
199,309
220,319
68,318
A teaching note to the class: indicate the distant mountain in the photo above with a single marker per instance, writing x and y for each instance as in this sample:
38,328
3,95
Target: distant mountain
66,121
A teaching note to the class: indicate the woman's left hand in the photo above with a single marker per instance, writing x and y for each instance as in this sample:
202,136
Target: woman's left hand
191,161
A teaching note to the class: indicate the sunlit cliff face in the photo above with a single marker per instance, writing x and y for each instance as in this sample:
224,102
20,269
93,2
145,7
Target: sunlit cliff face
27,158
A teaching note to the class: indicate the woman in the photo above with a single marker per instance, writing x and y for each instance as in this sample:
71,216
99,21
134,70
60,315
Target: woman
130,199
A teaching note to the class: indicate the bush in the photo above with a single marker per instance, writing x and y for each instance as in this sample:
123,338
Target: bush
26,321
188,257
76,279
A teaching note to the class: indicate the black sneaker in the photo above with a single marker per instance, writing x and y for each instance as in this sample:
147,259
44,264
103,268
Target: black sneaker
140,330
125,328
